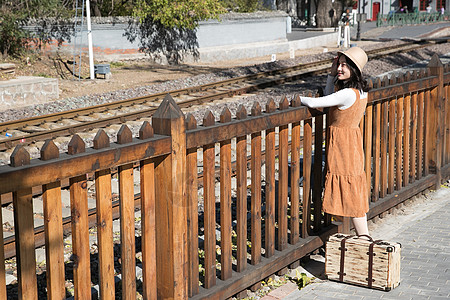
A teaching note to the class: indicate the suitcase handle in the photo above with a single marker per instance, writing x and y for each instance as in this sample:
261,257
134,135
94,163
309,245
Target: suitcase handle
365,235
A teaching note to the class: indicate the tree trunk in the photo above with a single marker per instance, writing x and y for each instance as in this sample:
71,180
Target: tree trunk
95,8
289,6
328,13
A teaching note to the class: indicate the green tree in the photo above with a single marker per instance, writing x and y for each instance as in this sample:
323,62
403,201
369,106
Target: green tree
47,17
168,28
182,14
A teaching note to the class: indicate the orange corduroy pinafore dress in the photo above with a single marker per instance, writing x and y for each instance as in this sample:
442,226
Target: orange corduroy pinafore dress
345,192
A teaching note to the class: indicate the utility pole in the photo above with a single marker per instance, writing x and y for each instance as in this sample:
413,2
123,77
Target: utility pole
358,29
89,35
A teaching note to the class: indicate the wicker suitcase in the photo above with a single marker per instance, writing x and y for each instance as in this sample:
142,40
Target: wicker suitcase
363,261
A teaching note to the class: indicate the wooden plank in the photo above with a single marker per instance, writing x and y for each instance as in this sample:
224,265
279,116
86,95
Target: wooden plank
391,168
105,233
437,131
406,138
192,213
241,205
420,134
447,126
413,156
225,207
148,228
270,193
283,183
23,227
171,219
384,150
317,183
398,148
2,266
127,231
54,246
295,183
368,147
54,240
307,163
209,201
255,165
80,238
427,132
376,151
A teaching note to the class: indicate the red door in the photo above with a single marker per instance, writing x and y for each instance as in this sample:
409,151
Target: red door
375,10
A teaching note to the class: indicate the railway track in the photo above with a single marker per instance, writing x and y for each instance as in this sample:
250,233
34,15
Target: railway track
35,129
40,128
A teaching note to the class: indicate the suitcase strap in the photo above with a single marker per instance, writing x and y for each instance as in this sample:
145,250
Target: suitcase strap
371,254
343,249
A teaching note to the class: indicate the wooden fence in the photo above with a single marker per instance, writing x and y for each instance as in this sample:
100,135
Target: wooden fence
254,209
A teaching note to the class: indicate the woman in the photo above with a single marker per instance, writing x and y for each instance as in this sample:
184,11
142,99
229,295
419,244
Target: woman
345,191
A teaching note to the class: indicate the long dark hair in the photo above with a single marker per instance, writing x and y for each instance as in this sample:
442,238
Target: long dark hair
356,80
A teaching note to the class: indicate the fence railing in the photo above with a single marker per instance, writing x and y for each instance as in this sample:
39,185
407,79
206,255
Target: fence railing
399,19
224,204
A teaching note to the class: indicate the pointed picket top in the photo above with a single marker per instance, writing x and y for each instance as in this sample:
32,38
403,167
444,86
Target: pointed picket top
296,102
370,83
435,62
101,140
146,131
124,136
166,113
49,150
392,80
270,106
415,74
284,103
385,81
241,112
20,157
256,109
191,122
168,109
225,116
208,119
407,77
377,83
76,145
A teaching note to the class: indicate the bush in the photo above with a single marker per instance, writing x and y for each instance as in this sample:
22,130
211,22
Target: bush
13,39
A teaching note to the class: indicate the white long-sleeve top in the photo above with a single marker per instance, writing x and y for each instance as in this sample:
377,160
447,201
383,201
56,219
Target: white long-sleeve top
343,99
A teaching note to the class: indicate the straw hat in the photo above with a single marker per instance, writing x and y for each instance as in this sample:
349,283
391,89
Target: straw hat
356,55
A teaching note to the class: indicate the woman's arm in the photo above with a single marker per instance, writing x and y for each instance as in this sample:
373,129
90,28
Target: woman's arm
343,99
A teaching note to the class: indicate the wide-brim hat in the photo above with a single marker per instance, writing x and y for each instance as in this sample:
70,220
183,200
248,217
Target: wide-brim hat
356,55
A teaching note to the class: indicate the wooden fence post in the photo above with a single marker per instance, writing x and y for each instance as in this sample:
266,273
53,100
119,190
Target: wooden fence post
436,132
170,192
24,230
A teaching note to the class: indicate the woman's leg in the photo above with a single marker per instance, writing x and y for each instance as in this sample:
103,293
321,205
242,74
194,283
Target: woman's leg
361,225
